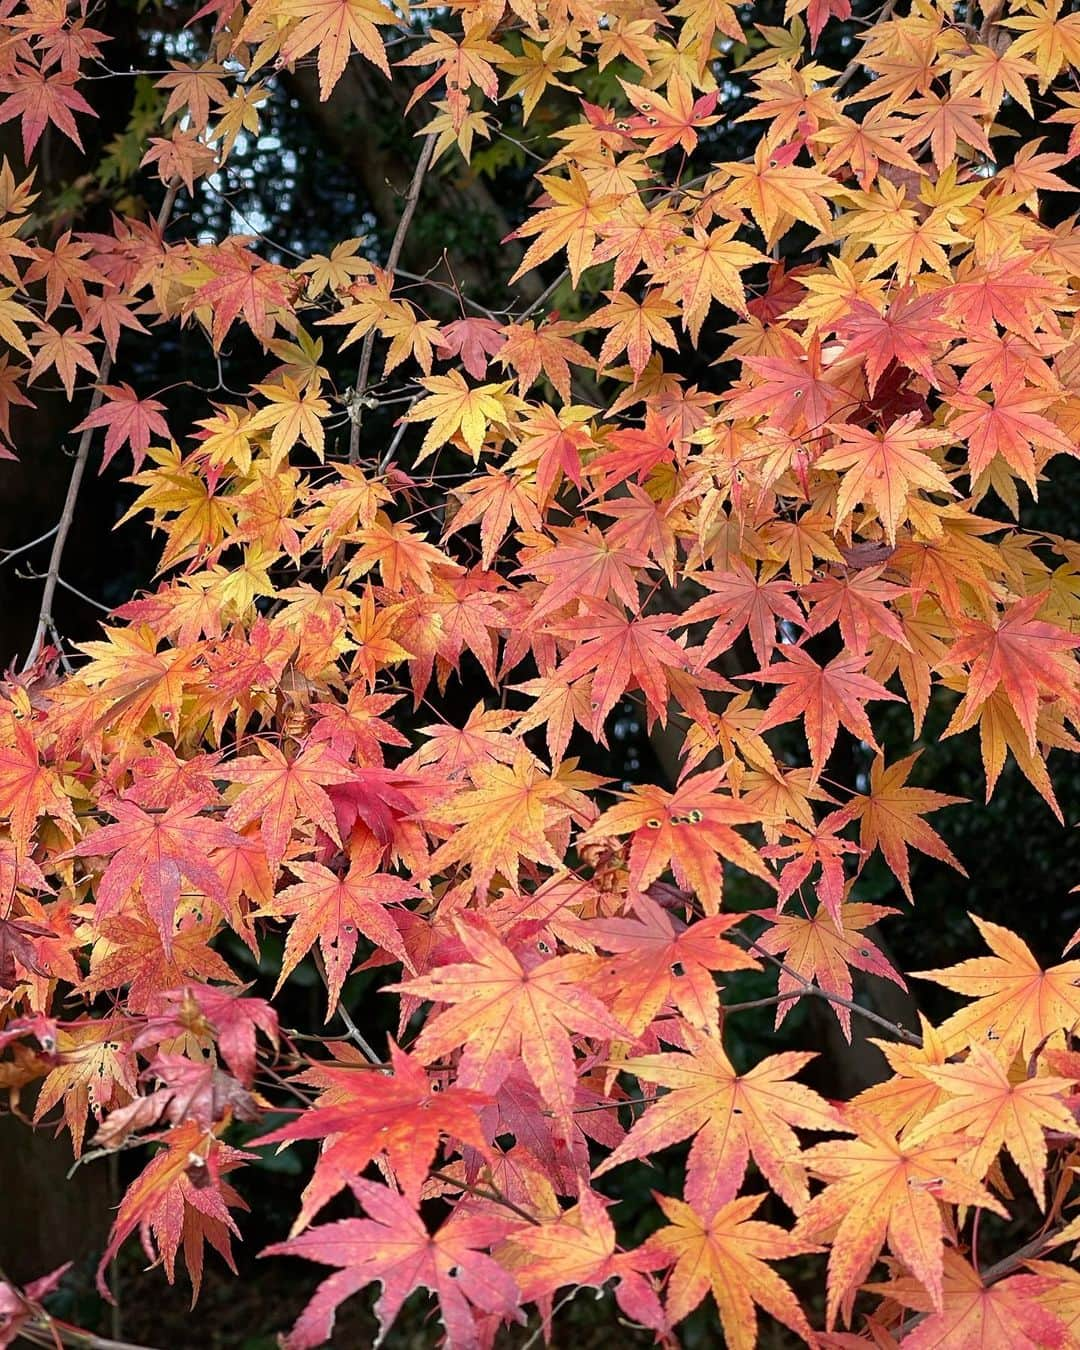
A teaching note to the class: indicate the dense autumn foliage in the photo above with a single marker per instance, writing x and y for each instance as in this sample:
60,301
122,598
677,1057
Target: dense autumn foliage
561,521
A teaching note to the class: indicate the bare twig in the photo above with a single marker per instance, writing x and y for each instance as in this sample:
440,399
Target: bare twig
363,370
9,553
47,1331
814,991
848,73
82,457
355,1034
40,1328
488,1192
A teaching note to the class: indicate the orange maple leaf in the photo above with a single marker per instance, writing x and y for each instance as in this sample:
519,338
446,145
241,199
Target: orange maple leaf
731,1116
825,697
504,1006
1011,991
362,1113
882,1191
334,910
724,1250
690,830
890,818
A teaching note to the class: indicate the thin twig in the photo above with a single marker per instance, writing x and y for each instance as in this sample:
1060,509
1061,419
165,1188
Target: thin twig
10,553
40,1328
848,73
815,991
82,457
488,1192
391,450
47,1331
363,370
354,1032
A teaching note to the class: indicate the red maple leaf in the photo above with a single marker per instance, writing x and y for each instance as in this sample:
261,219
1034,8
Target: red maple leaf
394,1247
362,1112
825,697
154,851
128,419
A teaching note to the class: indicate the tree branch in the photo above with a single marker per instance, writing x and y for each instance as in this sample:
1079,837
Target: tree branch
815,991
363,370
82,457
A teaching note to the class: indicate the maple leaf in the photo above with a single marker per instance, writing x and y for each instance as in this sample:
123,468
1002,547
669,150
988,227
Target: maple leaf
859,602
707,267
617,649
209,1011
361,1114
885,468
475,341
1009,426
1051,38
635,452
572,222
1026,656
154,851
293,412
741,599
671,121
883,1191
724,1250
453,408
535,69
658,959
902,334
890,818
28,788
983,1100
943,121
336,28
504,817
793,392
979,1316
502,1007
578,1248
1011,991
19,1305
690,830
731,1116
820,847
335,910
531,350
901,1101
67,352
128,420
278,792
179,1197
776,192
583,564
635,326
393,1246
494,501
825,697
240,285
824,949
38,98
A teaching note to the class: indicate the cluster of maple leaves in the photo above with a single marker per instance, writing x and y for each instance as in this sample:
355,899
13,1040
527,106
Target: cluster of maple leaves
225,755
